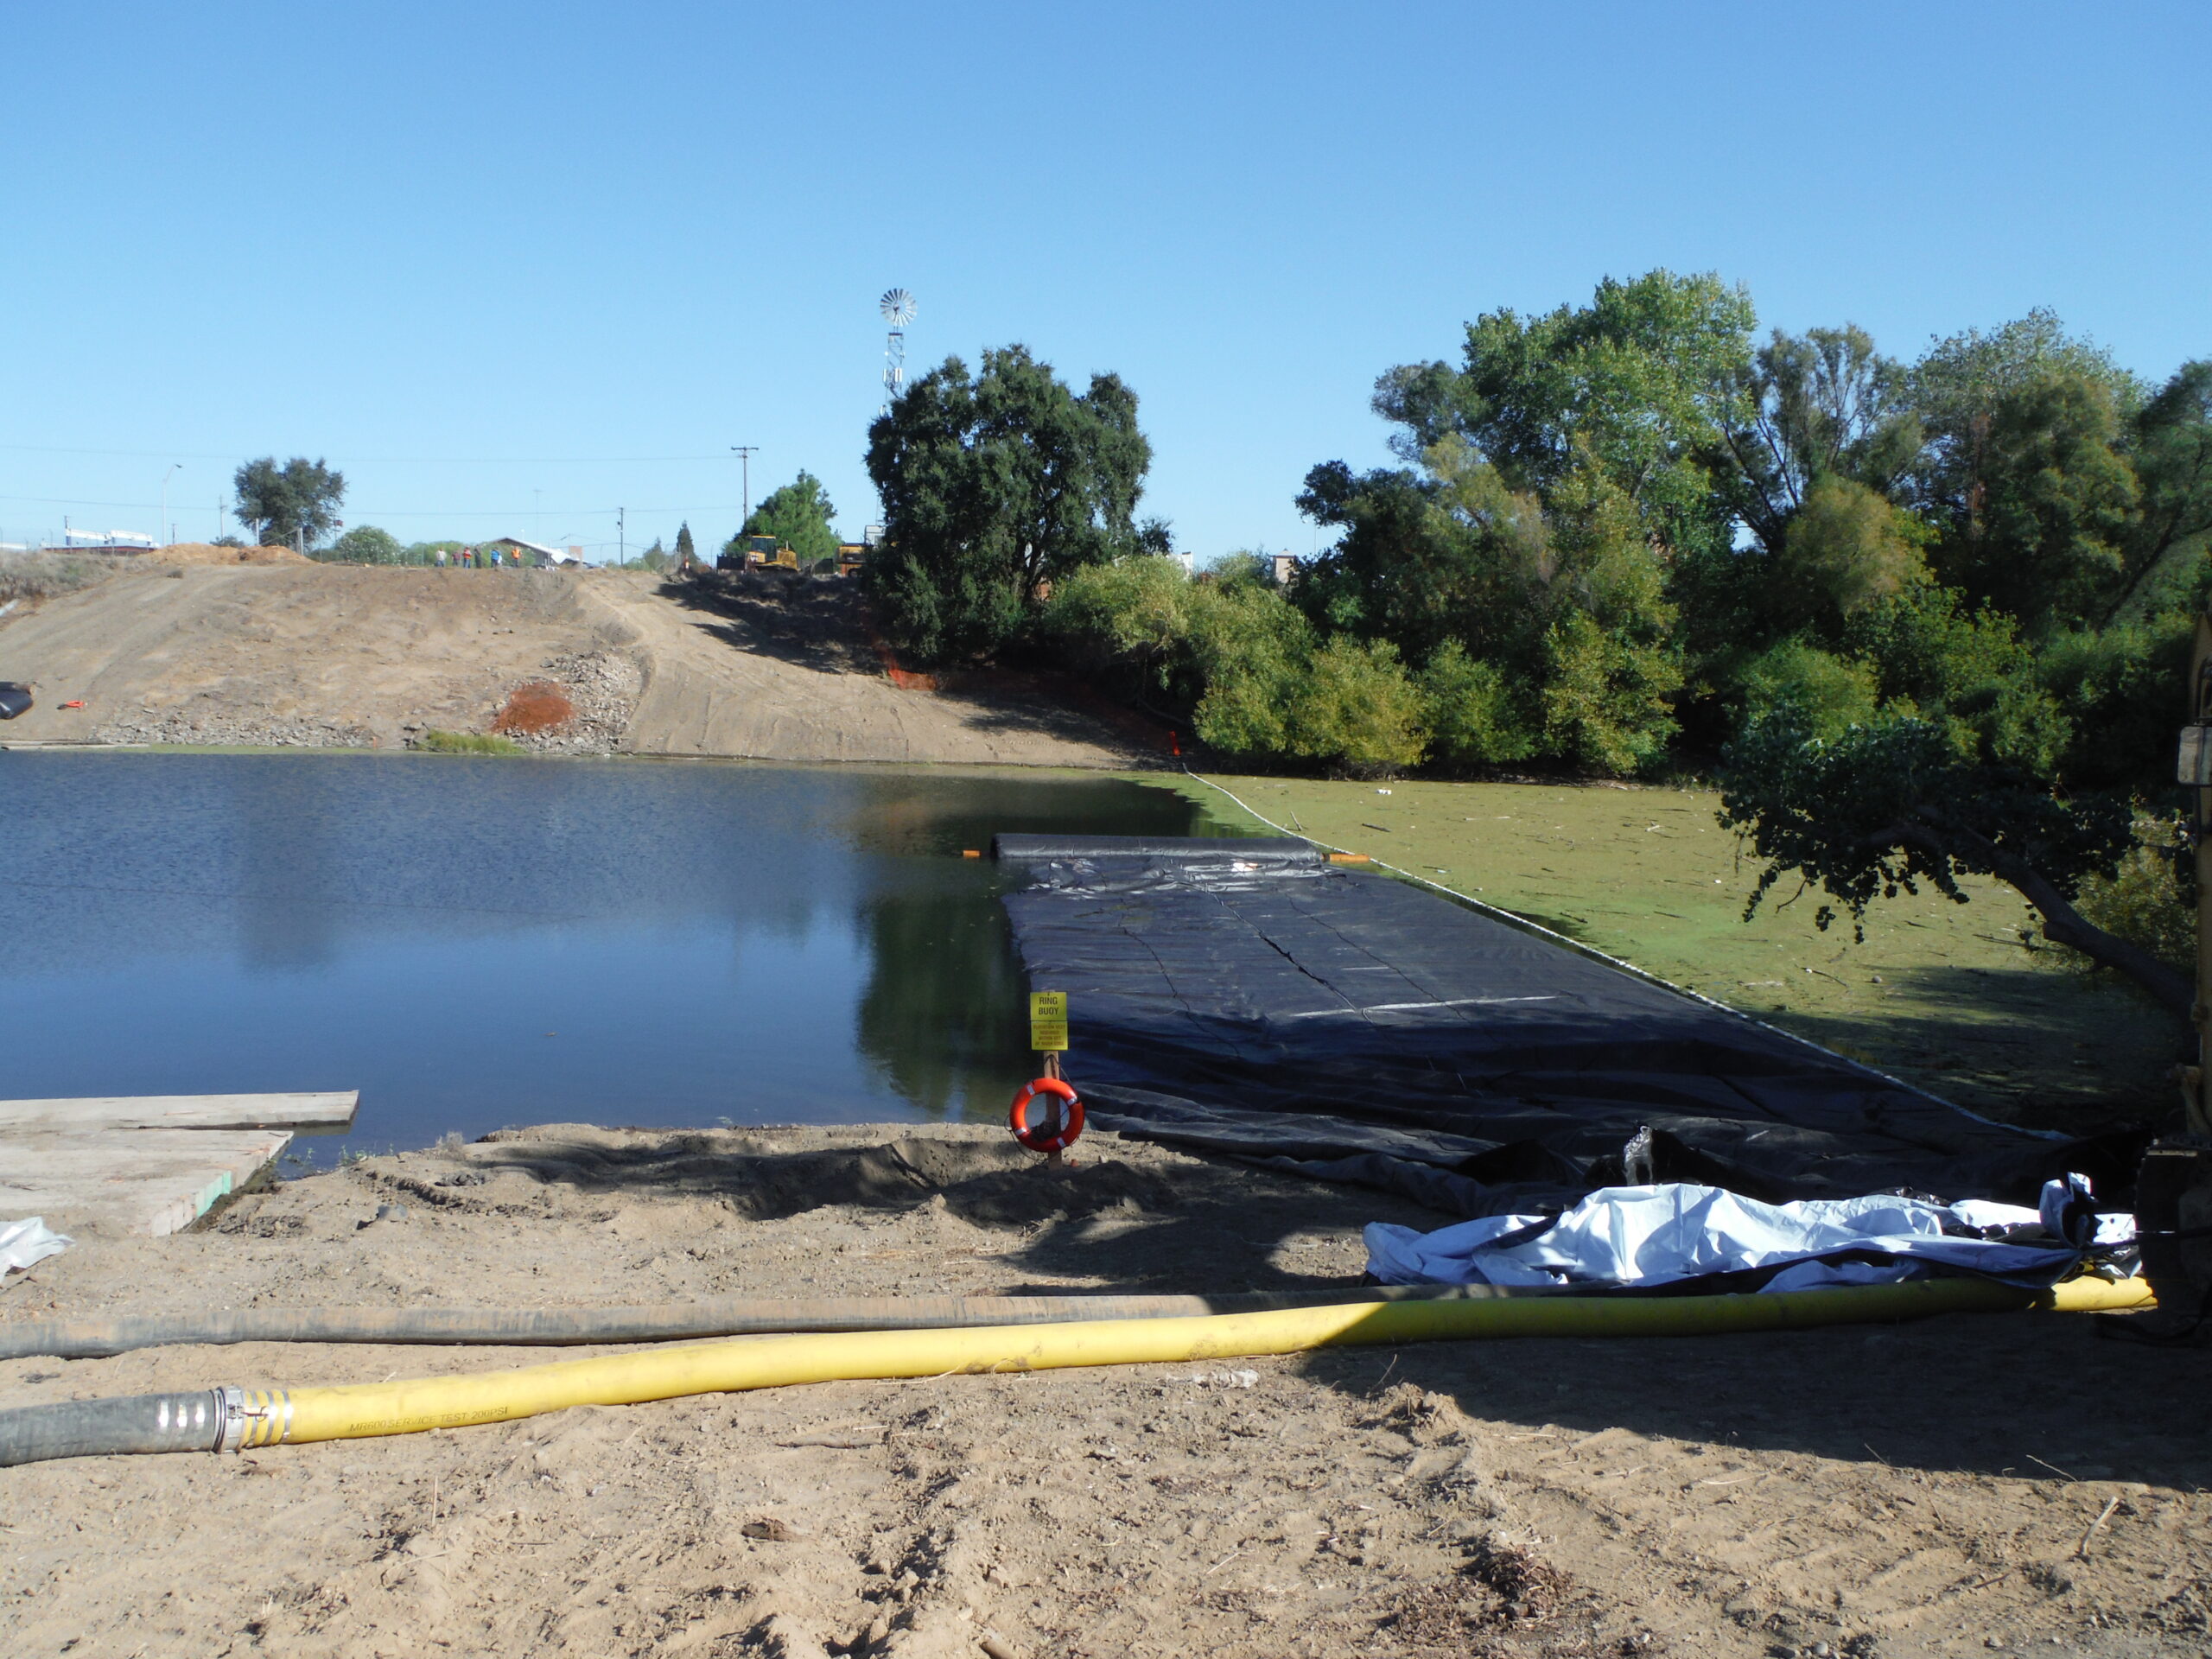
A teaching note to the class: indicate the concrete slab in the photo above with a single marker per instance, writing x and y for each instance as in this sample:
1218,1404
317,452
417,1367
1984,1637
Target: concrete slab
333,1109
149,1164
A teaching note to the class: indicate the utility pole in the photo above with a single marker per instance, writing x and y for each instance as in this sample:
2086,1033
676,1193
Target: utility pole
621,538
745,452
169,474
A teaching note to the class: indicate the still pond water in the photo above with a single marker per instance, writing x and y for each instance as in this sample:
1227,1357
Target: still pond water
473,943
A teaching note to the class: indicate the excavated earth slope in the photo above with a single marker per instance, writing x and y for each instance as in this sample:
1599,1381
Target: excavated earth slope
352,656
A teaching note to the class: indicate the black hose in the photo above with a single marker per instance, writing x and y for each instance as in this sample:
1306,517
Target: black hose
716,1317
92,1428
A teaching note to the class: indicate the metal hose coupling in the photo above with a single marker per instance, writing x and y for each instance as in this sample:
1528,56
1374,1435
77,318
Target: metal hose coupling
251,1417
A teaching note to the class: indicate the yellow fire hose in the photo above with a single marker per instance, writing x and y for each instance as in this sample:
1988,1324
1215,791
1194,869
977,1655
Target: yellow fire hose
372,1408
231,1419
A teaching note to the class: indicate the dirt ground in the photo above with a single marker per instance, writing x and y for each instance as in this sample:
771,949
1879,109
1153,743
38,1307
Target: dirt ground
1960,1486
292,653
214,553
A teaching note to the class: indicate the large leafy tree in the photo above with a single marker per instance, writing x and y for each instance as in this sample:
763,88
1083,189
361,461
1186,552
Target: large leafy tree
1887,806
1542,620
799,514
1821,405
1641,382
993,485
298,501
2025,476
2172,455
1568,472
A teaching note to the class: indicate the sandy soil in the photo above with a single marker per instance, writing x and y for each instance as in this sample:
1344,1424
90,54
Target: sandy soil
293,652
779,667
1955,1487
214,553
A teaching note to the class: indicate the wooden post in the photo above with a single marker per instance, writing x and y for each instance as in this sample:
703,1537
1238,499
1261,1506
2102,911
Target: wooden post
1048,1036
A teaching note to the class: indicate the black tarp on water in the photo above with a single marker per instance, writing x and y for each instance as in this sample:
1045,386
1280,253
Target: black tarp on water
1249,997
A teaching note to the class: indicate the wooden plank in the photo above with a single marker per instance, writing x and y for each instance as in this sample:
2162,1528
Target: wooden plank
330,1110
143,1181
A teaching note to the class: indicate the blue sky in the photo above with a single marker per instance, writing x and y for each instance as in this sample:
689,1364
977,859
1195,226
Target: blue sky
510,267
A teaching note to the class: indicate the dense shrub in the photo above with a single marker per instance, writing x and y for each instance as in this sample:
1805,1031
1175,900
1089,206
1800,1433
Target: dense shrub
2149,900
46,575
1834,693
1473,717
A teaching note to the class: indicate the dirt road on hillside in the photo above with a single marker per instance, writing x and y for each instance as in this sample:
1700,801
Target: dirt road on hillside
353,656
1950,1488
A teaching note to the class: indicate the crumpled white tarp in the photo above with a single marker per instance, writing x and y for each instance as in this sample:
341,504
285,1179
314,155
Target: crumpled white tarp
23,1243
1673,1230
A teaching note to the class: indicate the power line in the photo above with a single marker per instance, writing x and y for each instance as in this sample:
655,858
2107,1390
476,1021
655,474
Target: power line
389,512
377,460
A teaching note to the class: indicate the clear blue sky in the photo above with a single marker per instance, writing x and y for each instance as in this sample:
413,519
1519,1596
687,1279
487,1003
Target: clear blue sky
512,266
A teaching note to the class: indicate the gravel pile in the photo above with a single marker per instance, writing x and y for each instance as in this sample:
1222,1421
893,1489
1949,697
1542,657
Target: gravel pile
605,686
233,730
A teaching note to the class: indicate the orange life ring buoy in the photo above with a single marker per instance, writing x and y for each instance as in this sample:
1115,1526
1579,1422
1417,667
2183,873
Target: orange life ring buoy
1057,1132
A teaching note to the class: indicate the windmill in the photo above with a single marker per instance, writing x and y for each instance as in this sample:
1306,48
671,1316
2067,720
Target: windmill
898,308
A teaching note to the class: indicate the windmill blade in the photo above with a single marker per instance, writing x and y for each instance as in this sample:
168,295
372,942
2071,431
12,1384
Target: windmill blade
897,307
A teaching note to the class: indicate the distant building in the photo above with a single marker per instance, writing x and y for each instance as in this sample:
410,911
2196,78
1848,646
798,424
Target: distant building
106,541
1286,569
545,558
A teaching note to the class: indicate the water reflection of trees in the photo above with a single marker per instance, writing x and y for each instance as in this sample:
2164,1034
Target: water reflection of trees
942,1017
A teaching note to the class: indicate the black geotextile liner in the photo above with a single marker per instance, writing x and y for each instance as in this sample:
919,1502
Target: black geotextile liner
1354,1027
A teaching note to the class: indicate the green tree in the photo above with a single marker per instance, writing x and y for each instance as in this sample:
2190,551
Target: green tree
2025,474
1818,406
1472,716
298,501
994,486
1884,806
1643,381
798,514
685,553
1353,709
1842,548
2172,455
1562,595
1235,664
366,545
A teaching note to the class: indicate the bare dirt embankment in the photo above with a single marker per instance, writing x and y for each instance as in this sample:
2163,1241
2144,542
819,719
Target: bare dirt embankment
297,653
1941,1489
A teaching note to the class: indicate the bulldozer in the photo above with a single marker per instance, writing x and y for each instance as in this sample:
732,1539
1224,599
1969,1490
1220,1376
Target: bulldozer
2173,1189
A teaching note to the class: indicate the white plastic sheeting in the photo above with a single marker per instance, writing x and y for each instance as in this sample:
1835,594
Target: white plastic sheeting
23,1243
1661,1234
